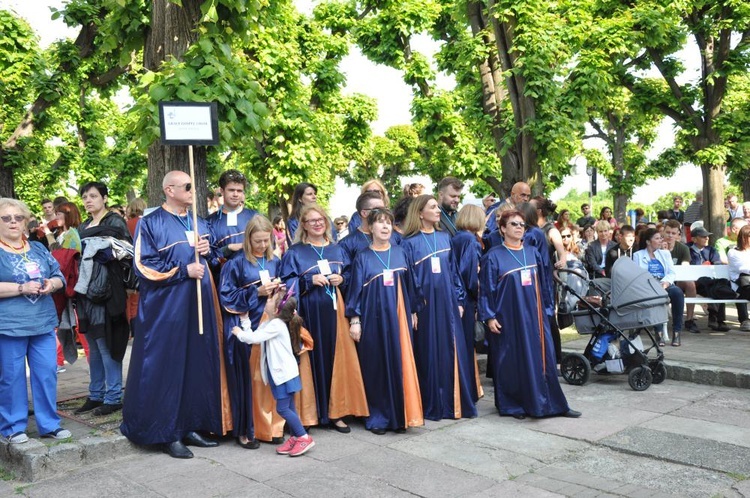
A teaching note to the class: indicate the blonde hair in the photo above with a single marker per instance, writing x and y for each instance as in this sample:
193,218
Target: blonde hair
8,202
413,223
136,208
368,186
258,223
470,218
301,234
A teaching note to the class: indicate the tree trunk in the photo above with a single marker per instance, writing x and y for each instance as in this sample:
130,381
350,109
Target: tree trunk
7,185
713,213
746,189
172,32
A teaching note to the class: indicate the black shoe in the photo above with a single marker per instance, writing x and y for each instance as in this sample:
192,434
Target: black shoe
572,414
401,430
723,327
518,416
343,430
377,431
676,339
89,405
194,439
713,324
691,326
107,409
252,444
177,450
278,440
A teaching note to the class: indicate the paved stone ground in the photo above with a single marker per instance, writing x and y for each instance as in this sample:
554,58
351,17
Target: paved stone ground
675,439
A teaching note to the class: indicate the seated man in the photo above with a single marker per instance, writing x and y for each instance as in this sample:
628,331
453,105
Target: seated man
624,248
681,256
703,254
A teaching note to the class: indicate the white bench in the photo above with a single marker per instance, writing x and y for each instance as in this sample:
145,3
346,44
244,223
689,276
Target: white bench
691,273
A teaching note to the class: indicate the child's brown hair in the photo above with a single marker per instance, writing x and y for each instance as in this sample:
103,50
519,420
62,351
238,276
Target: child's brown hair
287,313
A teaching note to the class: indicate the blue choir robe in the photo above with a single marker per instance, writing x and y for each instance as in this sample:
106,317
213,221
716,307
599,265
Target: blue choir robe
238,293
358,241
224,234
467,250
385,349
176,380
523,354
492,239
355,221
338,383
445,375
536,238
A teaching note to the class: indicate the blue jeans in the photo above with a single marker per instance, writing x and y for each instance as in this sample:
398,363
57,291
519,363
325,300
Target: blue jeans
41,352
677,298
105,373
285,407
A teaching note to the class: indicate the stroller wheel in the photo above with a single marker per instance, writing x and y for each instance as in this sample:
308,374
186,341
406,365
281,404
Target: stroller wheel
640,378
658,371
575,369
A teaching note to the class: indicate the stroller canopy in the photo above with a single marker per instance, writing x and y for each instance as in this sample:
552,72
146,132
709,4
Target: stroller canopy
637,299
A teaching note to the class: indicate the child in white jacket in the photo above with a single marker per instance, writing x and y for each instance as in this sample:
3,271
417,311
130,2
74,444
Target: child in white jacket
279,338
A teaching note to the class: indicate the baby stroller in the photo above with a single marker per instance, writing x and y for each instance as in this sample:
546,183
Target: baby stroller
616,312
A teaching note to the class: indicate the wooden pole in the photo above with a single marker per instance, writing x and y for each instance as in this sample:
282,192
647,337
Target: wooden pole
196,234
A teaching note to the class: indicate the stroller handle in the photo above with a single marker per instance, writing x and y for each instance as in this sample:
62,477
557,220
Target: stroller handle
580,273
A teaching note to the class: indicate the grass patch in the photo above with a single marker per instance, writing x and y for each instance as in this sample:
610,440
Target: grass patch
107,423
737,476
6,475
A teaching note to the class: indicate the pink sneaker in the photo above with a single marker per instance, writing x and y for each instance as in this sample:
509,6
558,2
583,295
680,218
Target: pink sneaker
287,446
301,446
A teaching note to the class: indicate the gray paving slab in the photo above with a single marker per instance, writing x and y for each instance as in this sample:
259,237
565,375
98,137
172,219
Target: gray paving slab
714,431
89,483
690,450
476,458
616,469
516,489
332,480
416,475
518,436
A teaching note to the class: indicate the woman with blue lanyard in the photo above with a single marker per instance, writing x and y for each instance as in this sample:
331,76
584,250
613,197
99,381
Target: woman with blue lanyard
314,264
245,285
510,303
381,306
446,377
28,275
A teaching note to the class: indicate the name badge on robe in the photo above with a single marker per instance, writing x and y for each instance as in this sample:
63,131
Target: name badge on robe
32,269
388,278
435,261
525,277
232,219
190,234
324,267
265,277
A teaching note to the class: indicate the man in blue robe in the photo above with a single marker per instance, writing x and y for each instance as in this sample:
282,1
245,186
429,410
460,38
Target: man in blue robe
228,223
361,238
175,387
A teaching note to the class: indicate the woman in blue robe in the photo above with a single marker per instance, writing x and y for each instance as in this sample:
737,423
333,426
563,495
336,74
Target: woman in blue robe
314,265
466,247
510,302
381,305
246,282
446,378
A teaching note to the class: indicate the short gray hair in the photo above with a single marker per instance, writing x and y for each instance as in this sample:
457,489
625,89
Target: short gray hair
6,202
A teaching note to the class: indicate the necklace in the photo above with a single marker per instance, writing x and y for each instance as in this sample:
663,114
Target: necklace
17,249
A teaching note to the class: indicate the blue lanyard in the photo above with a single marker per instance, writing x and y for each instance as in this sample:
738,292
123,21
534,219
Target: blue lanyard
263,264
448,219
322,250
523,265
365,236
434,240
329,288
386,265
186,223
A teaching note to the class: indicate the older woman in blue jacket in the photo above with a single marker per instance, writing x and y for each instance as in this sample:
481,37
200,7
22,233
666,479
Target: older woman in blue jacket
28,275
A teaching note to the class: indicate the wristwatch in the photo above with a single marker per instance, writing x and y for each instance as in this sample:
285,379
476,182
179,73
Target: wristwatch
20,288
